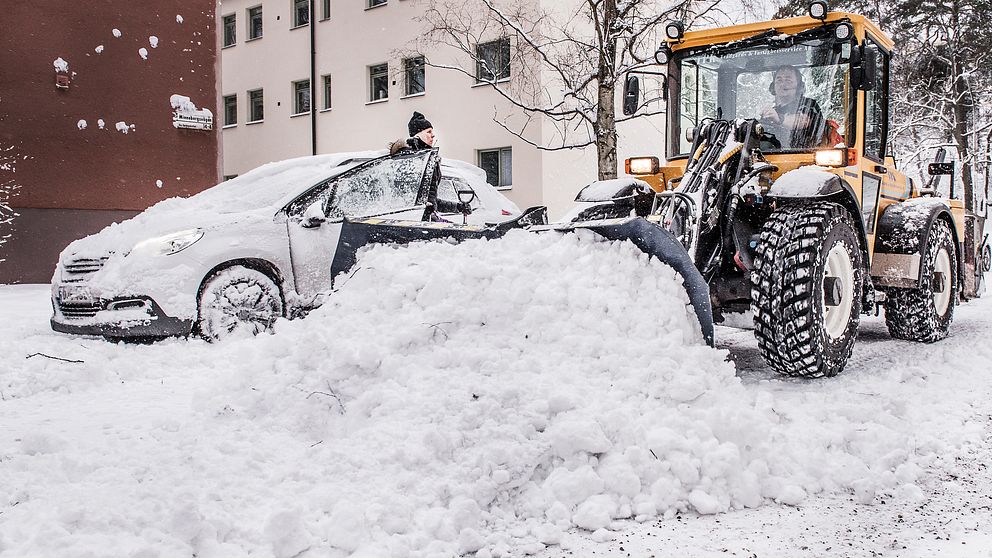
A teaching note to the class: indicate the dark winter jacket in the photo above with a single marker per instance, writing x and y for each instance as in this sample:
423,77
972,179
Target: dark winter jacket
440,205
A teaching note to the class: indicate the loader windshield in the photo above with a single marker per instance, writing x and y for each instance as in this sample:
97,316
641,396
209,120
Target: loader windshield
798,90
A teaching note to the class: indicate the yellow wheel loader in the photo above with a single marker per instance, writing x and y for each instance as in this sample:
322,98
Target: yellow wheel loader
779,184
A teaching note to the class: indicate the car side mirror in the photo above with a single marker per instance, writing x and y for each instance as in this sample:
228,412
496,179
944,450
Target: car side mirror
466,196
631,94
314,216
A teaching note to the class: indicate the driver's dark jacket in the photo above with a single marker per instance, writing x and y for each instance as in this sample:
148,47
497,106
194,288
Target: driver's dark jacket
810,134
416,144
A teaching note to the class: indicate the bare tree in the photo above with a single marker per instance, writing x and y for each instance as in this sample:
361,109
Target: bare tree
567,61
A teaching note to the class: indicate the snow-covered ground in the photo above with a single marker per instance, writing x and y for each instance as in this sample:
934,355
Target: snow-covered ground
538,395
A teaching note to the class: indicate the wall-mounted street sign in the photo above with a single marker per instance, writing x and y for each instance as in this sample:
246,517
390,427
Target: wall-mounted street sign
187,117
193,120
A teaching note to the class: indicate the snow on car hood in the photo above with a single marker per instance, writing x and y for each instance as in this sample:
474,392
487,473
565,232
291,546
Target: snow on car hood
257,194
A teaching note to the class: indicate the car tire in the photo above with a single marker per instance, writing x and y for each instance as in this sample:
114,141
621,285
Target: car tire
925,313
238,298
807,288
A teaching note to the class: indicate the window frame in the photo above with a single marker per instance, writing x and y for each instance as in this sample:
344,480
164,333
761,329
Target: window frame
233,17
499,151
383,72
294,8
410,65
479,58
370,4
248,22
881,78
326,88
224,103
297,100
325,10
251,105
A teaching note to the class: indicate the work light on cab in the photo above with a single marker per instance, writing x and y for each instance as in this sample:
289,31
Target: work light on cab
642,165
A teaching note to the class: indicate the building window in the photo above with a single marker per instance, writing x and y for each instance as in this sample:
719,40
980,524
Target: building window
378,82
230,110
301,12
326,80
493,60
256,108
374,3
254,22
325,9
230,30
498,164
413,71
301,96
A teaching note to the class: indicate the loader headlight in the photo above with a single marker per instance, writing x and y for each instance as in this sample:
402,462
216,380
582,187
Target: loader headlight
818,10
169,244
674,30
663,55
642,165
831,157
843,31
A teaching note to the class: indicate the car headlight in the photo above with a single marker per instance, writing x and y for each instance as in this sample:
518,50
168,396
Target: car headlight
169,244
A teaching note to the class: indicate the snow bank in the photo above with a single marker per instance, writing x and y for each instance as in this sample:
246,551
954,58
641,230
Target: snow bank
483,398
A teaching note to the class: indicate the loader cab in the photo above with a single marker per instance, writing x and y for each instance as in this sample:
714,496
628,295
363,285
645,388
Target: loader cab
832,109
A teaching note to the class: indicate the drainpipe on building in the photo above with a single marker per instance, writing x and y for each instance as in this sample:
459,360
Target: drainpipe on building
313,78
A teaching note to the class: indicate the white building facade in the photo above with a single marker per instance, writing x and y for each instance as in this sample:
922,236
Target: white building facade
366,82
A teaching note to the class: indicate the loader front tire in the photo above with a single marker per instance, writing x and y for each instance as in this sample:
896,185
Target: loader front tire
924,314
806,289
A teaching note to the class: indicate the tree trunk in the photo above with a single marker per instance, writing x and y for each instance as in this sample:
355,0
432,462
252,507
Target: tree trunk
962,108
605,127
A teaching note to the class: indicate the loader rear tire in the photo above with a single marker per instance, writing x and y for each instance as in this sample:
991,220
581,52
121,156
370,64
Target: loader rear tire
925,313
806,289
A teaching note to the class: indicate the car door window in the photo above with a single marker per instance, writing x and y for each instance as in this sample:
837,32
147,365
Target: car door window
380,187
321,192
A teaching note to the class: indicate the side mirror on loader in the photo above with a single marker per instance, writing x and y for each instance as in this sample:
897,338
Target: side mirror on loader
631,94
863,69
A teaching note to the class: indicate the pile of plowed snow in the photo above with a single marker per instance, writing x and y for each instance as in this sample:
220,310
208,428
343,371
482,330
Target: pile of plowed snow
484,397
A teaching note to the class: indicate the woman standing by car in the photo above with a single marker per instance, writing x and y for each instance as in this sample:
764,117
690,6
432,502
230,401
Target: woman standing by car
422,137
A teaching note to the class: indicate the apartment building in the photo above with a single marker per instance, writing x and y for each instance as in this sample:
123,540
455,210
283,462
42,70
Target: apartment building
340,75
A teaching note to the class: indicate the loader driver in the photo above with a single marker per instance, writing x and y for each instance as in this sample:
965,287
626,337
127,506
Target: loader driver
795,120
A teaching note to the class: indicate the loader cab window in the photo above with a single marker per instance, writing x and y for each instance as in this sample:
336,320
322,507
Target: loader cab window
876,102
807,109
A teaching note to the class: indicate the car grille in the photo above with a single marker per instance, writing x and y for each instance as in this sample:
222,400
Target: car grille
80,268
80,309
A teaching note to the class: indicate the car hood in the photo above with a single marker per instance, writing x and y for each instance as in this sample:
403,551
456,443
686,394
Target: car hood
253,197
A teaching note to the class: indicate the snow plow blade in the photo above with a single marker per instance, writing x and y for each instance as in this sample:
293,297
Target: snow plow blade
647,236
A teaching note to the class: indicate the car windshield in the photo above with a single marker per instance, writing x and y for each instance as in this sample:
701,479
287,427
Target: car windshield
797,91
381,186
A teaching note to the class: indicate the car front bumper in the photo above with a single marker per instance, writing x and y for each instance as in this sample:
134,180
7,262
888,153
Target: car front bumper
124,317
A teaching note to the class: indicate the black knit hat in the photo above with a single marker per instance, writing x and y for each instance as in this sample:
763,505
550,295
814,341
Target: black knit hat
418,124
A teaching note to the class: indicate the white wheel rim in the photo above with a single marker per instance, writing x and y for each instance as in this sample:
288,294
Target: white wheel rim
839,266
241,304
942,298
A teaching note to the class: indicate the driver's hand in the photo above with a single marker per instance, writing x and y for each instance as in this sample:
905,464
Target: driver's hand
464,208
771,115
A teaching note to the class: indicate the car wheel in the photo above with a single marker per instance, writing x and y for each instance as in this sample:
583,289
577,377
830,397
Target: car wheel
238,298
806,289
924,314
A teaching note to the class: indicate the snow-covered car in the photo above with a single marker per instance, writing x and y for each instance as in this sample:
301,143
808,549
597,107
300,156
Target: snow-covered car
251,249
